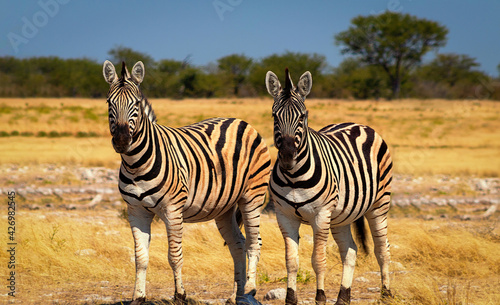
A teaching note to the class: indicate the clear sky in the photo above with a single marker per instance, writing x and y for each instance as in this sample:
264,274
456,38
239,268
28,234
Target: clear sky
209,29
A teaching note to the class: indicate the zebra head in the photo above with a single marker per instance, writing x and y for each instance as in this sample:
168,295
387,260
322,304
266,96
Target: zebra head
290,116
124,98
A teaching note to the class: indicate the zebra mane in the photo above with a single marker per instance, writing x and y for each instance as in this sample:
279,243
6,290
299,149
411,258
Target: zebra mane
288,81
147,109
289,96
125,74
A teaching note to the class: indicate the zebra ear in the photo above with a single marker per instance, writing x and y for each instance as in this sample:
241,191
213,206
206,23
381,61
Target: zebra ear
272,84
305,84
109,72
138,72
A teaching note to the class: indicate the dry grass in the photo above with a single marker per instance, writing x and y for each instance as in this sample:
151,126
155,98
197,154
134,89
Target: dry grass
86,256
443,261
425,136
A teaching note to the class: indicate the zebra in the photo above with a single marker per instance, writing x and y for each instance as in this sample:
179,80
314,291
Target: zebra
327,179
204,171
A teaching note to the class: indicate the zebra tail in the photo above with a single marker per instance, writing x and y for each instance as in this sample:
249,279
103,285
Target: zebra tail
361,233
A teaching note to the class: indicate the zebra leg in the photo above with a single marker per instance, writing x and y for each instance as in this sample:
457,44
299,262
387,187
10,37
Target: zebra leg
250,212
140,223
377,220
174,225
231,233
290,230
320,230
348,253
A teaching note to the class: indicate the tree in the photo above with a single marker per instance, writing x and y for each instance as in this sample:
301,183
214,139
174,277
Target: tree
450,68
236,69
297,63
394,41
451,76
358,80
130,57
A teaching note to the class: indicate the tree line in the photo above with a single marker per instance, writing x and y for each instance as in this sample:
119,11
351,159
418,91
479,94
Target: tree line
386,62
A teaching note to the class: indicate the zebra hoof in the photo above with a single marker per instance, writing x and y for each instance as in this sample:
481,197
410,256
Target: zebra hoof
180,299
291,297
138,301
386,294
320,297
231,301
344,297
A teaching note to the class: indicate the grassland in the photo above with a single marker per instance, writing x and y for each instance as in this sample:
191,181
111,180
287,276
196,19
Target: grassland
425,136
85,256
73,258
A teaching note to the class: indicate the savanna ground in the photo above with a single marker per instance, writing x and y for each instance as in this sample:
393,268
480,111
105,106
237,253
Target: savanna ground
74,245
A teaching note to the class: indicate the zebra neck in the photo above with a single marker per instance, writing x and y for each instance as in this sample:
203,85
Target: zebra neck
305,158
144,140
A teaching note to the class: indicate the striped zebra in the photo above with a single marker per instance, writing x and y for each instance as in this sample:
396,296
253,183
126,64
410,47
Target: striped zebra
327,179
194,173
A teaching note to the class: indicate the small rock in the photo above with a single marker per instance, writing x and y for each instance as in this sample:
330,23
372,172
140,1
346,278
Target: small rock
362,279
482,185
403,202
428,217
276,294
373,289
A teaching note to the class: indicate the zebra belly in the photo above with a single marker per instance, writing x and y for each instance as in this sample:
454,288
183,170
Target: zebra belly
206,213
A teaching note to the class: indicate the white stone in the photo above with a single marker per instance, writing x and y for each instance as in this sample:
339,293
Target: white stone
276,294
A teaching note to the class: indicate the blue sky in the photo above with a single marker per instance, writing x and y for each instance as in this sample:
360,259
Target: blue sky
209,29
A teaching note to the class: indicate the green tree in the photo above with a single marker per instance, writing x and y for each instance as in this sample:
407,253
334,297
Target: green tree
394,41
450,75
235,68
450,68
130,57
358,80
297,64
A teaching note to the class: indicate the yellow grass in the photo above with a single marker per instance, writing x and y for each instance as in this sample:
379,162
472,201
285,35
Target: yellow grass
425,136
66,150
434,261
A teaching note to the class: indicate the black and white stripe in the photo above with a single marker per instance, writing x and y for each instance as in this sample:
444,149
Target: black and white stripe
194,173
328,179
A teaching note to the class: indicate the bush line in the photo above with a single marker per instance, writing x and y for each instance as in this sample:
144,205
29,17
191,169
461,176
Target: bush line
50,134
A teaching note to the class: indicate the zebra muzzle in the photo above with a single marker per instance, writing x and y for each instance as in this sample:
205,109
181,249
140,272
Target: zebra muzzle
121,139
287,153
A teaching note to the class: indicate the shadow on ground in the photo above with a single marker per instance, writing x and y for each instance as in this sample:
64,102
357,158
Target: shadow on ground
159,302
